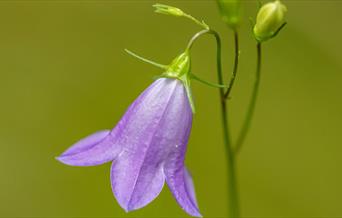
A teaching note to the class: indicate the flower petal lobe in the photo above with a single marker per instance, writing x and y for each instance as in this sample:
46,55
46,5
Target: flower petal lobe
137,174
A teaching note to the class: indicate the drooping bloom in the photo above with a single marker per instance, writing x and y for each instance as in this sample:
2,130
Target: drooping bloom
147,147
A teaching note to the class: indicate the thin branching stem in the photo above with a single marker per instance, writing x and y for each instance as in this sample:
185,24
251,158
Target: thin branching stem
233,199
251,108
236,64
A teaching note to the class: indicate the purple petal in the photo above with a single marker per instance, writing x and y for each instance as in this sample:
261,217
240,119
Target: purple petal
189,185
93,150
86,143
137,174
177,178
182,189
104,146
134,188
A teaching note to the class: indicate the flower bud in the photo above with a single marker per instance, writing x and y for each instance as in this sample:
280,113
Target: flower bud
230,12
168,10
269,20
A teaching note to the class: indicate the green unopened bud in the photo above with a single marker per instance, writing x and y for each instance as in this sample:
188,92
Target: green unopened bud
168,10
230,12
270,20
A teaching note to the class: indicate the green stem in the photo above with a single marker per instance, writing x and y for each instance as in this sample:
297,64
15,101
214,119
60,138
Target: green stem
202,24
195,37
251,108
233,199
236,64
232,183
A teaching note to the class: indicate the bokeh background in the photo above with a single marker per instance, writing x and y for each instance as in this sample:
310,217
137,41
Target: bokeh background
64,75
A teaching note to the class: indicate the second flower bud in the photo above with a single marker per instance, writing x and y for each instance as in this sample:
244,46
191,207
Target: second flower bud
269,20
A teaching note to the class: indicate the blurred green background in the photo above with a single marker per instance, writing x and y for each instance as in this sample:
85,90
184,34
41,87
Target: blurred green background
64,75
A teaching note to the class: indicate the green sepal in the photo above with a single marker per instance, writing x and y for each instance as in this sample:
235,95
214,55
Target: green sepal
274,34
278,30
178,69
179,66
214,85
186,83
162,66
